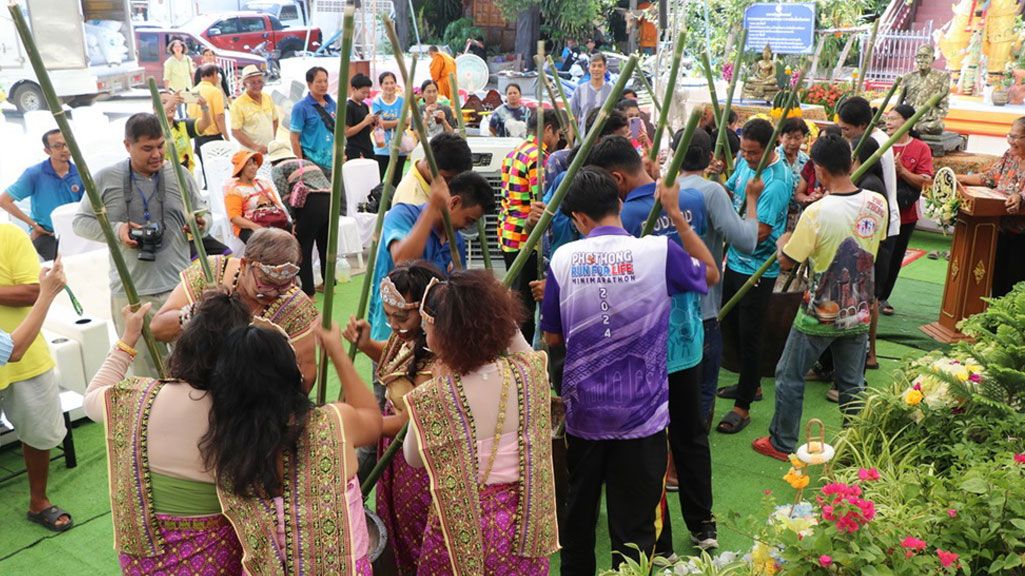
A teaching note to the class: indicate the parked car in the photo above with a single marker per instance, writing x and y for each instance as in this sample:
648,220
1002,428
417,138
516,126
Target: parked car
291,13
152,43
241,31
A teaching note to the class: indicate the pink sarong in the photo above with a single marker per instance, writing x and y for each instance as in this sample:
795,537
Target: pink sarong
195,546
403,501
497,513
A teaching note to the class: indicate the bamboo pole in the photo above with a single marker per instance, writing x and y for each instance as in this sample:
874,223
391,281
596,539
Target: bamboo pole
663,115
179,174
875,118
382,463
651,90
674,168
724,118
539,130
707,65
383,207
866,61
855,176
578,162
337,192
482,236
789,104
573,126
60,117
421,132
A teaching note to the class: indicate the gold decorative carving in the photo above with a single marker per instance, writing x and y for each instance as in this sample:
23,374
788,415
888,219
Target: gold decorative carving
954,269
979,272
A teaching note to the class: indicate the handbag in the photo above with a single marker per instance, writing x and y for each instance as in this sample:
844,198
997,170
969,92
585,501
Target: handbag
268,216
408,143
299,190
907,195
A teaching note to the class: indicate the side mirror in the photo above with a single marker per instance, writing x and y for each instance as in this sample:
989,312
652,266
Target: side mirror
214,31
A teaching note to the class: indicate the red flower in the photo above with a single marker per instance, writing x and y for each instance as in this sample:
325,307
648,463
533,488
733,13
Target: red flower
1019,458
946,558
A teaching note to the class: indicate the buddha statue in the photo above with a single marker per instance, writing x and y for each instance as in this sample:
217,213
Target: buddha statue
762,84
918,86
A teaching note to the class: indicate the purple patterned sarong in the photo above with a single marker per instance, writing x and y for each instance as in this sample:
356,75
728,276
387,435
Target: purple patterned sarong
194,546
403,501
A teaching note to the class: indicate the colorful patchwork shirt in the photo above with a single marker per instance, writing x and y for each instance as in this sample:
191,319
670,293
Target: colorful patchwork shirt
519,189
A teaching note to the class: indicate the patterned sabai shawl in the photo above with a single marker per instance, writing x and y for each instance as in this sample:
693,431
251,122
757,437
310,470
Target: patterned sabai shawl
446,433
318,537
293,310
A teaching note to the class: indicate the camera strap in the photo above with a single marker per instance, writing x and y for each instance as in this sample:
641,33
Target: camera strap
131,187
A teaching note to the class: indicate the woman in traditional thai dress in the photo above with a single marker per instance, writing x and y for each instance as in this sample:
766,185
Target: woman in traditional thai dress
403,494
265,280
482,428
163,499
286,469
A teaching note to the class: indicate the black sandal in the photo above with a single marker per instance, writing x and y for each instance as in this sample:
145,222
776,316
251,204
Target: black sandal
48,518
732,423
730,393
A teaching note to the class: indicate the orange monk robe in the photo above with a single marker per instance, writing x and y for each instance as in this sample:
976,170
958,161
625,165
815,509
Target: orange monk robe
441,66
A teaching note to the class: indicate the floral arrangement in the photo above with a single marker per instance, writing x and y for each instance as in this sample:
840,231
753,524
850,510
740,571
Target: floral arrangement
826,95
942,200
942,383
727,71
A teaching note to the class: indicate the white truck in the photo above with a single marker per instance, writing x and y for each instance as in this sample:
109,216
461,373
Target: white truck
87,45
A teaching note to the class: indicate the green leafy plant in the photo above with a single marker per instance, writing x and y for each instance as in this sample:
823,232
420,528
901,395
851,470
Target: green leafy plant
457,32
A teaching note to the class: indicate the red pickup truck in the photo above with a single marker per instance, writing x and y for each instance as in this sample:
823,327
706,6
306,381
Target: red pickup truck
241,31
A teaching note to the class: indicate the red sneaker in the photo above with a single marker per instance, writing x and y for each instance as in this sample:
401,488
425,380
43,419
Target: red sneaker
764,447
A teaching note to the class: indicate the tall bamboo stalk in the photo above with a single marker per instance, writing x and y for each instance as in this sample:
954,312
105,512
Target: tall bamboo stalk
421,132
663,116
59,116
383,462
539,130
573,126
179,174
866,62
382,208
875,118
650,89
578,162
855,176
337,192
792,101
707,65
724,117
482,236
673,170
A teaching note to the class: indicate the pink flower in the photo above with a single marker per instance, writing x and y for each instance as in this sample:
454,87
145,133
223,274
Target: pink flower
946,558
1019,458
866,475
951,512
825,560
975,378
913,543
767,492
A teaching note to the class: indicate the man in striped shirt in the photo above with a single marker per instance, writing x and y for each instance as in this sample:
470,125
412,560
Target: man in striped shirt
521,206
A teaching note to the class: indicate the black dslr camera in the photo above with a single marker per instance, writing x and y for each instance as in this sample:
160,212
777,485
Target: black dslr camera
149,237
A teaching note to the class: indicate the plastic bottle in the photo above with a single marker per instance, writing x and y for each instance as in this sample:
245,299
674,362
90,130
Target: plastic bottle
343,272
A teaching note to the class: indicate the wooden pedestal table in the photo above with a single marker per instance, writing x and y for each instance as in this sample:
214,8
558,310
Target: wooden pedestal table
970,272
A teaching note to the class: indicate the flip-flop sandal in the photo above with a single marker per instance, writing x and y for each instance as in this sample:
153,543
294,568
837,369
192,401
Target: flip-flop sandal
872,366
732,423
886,310
48,518
764,447
730,393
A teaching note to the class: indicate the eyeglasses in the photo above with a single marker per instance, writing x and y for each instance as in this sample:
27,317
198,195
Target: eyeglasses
58,146
1015,136
262,286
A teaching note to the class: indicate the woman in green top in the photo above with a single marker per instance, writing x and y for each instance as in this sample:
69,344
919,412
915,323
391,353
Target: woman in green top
163,500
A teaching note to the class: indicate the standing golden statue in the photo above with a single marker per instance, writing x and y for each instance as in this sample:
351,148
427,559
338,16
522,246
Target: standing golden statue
998,35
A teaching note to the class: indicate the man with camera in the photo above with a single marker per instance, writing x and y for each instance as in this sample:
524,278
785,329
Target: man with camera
144,205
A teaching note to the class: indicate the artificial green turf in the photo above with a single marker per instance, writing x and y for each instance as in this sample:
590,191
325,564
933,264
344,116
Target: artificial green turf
739,475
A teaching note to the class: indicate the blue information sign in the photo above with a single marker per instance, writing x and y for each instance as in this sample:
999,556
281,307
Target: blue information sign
789,28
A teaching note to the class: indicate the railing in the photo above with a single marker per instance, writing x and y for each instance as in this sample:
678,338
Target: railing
230,75
894,53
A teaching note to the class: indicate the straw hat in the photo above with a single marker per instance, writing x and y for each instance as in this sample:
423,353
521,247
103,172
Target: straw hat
278,150
250,71
239,160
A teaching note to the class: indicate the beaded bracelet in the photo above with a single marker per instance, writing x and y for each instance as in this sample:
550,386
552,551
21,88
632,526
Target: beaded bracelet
126,348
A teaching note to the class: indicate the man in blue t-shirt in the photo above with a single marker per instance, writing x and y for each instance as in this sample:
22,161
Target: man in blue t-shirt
608,298
688,438
416,232
312,124
774,189
51,183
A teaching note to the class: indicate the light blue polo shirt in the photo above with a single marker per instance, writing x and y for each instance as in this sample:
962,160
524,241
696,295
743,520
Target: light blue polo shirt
47,190
773,203
398,223
318,143
390,112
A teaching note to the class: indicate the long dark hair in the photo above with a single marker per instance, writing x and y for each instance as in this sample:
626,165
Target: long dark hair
196,351
411,278
259,411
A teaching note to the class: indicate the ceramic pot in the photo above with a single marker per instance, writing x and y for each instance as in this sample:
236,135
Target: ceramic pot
999,97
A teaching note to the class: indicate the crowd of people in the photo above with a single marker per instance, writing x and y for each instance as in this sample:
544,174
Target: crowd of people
224,465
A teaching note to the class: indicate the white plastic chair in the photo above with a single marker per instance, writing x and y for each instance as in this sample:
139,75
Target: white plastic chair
360,177
217,159
71,243
89,123
36,123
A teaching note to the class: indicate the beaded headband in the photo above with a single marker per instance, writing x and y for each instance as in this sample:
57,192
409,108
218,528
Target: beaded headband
391,296
279,274
427,317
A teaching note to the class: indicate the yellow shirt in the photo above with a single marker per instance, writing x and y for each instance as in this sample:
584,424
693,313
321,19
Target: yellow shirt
412,189
214,97
178,73
19,265
254,118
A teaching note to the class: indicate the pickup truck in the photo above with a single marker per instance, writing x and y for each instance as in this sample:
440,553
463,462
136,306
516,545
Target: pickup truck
153,40
240,31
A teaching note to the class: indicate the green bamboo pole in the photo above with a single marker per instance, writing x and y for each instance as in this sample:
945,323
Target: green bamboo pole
707,65
539,130
59,116
385,204
724,117
789,104
866,61
337,192
855,176
673,170
578,162
647,86
663,115
482,235
179,174
574,128
421,132
552,96
875,118
382,463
